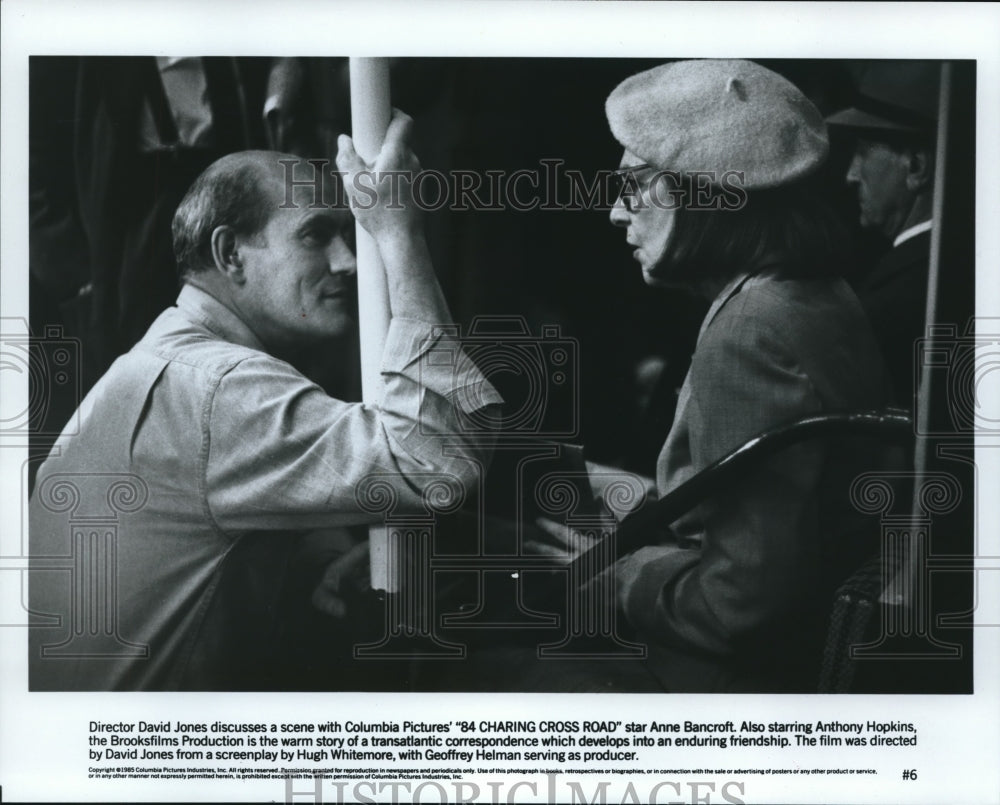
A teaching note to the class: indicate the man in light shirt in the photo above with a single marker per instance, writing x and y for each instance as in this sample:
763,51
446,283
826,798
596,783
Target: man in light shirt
204,448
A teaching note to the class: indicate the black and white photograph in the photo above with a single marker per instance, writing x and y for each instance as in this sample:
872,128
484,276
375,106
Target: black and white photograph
512,422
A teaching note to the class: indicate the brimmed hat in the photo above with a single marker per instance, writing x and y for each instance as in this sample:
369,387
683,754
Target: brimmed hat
719,115
894,96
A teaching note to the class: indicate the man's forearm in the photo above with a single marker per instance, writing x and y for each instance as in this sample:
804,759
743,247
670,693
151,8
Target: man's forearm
414,292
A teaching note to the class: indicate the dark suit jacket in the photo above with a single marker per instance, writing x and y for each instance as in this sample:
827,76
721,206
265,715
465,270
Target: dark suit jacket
127,199
100,207
739,602
894,296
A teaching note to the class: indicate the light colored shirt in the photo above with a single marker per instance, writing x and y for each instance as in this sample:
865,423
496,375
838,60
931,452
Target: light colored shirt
912,232
209,438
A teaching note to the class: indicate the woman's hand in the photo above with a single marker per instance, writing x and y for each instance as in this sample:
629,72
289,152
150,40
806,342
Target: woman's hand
558,541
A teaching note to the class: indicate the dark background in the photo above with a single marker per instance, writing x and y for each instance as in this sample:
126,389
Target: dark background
570,269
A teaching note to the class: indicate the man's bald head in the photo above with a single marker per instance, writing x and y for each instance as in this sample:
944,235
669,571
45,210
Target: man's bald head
240,191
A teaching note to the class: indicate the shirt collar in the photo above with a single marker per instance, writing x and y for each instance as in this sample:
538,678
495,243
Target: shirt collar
912,232
200,306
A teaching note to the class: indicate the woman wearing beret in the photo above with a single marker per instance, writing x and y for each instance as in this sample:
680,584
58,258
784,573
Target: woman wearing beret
717,158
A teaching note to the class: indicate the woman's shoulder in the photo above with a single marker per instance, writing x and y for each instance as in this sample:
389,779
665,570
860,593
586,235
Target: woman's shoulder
812,329
794,307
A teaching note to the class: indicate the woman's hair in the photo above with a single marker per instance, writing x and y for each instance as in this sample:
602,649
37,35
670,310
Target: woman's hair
790,227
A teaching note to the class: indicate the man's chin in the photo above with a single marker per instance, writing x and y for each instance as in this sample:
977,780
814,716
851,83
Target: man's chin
328,328
344,327
871,221
337,316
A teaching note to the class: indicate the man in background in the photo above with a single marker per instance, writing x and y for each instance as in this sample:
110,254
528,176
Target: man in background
892,125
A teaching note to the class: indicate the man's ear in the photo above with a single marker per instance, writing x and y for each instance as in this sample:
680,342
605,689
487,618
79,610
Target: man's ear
226,254
919,169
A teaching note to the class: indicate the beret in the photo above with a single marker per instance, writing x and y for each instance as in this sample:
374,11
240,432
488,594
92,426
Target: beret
719,115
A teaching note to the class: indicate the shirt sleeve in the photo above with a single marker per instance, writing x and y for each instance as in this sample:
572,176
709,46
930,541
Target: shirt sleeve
758,537
284,454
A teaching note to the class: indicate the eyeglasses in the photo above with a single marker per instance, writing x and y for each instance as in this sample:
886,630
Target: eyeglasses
626,186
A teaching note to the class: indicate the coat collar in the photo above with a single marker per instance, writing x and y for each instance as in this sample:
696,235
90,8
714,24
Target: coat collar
729,290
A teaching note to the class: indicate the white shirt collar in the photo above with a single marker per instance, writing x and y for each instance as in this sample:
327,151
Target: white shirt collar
912,232
201,306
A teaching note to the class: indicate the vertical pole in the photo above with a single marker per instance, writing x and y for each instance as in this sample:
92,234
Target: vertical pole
926,394
370,113
938,216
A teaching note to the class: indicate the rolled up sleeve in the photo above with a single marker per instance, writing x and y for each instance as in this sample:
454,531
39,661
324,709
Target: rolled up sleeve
281,453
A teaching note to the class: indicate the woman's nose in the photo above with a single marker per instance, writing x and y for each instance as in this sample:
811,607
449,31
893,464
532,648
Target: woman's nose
619,215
